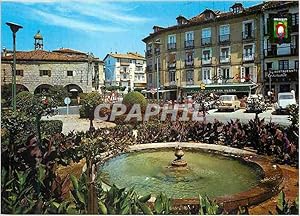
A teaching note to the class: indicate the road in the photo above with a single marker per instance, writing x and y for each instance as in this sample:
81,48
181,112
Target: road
245,117
72,110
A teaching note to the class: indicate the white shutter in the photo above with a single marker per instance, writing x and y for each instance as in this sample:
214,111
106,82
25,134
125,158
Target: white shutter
242,74
254,74
219,74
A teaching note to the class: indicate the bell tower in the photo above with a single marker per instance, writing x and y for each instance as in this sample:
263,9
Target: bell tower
38,41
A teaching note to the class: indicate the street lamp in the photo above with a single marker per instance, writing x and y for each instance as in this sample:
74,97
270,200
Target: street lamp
157,43
14,28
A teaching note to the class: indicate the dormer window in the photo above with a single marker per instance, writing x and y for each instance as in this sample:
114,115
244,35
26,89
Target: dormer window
237,8
181,20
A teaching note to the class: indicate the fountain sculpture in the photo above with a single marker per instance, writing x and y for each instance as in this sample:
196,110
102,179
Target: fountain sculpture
179,162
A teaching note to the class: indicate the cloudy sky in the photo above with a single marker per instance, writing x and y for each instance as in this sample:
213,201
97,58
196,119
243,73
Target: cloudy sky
97,26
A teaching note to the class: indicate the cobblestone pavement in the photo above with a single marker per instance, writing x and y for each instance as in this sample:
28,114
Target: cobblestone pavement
73,122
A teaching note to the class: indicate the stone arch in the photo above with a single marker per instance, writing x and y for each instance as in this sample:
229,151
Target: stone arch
21,87
74,90
42,88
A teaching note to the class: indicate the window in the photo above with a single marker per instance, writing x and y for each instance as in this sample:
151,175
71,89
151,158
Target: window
226,73
190,77
206,55
149,47
189,36
140,68
283,64
295,19
19,73
150,78
45,73
69,73
189,58
172,76
171,39
206,36
224,33
206,75
248,52
296,64
225,54
248,30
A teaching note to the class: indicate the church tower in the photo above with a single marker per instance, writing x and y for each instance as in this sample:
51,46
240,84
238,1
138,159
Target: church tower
38,41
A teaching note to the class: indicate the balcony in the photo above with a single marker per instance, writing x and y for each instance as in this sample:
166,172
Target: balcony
171,46
295,28
275,51
189,64
206,61
149,68
206,41
223,39
189,44
157,51
172,65
148,53
248,57
189,82
248,35
225,59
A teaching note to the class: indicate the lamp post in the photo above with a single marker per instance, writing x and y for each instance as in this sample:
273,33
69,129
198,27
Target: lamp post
14,28
157,43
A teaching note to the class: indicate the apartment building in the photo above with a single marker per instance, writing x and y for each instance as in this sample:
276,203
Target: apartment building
37,70
281,57
218,49
125,70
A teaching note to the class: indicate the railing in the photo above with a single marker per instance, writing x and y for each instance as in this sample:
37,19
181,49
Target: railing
157,50
206,60
149,67
148,53
224,38
281,51
248,35
189,63
225,58
172,65
295,28
189,44
171,46
189,82
248,57
206,41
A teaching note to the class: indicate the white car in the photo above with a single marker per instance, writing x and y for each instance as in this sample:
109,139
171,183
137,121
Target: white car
285,99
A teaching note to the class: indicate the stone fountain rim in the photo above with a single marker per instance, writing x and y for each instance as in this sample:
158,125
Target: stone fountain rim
255,195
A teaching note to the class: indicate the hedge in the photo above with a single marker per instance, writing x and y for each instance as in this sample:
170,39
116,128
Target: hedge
50,127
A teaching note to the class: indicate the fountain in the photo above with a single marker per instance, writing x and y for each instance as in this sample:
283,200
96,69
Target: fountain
178,162
221,172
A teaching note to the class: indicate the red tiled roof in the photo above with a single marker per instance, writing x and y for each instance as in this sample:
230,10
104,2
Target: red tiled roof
42,55
69,51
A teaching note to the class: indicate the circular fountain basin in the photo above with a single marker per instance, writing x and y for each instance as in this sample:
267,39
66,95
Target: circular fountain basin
234,177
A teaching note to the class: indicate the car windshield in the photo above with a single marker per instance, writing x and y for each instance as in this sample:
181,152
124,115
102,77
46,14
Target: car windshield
226,98
285,97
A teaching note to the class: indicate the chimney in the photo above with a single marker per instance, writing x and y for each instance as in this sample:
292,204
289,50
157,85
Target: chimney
4,51
116,52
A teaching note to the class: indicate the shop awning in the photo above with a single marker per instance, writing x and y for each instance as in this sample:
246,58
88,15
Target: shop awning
221,88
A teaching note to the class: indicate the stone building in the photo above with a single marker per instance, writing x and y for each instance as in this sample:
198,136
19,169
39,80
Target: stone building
221,51
38,70
281,58
125,70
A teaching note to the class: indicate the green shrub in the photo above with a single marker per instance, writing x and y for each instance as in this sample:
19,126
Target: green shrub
89,103
50,127
24,100
135,98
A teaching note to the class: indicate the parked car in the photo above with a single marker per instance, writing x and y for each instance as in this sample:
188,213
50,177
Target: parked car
256,103
229,102
285,99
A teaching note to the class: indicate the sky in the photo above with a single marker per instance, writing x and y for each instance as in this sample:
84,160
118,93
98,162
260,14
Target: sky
96,26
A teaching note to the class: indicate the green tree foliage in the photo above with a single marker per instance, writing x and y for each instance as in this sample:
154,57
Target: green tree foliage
24,101
89,103
135,98
58,93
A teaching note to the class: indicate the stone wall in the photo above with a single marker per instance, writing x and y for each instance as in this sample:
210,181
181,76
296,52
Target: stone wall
31,78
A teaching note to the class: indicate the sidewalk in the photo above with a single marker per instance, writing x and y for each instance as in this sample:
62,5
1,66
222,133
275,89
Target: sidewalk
73,122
